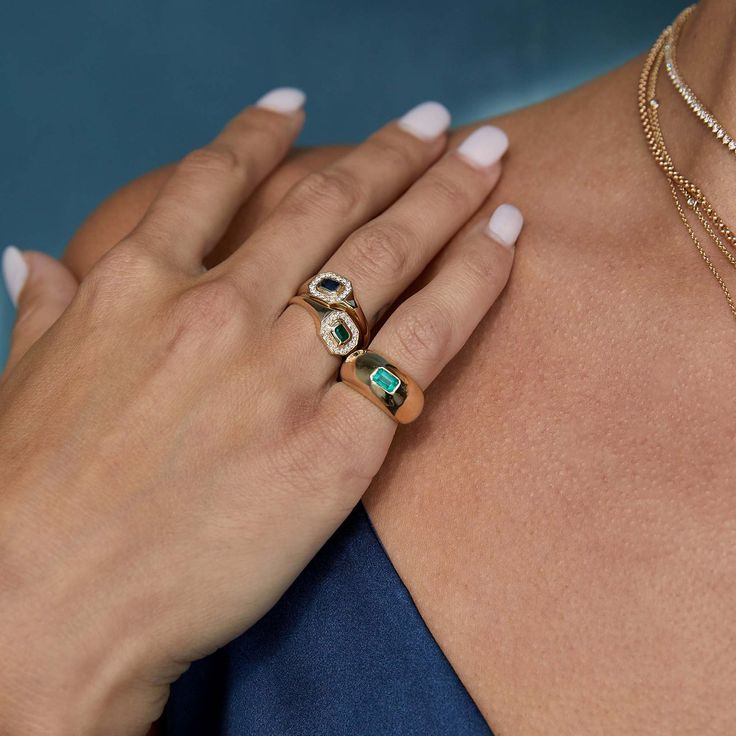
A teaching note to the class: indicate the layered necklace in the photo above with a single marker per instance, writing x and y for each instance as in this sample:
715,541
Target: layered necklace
687,196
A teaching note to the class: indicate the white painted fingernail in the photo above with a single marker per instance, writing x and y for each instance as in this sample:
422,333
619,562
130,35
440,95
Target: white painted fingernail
15,272
485,146
285,100
505,225
426,121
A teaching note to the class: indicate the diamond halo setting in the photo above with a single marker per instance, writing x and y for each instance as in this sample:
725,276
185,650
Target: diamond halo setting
329,296
331,322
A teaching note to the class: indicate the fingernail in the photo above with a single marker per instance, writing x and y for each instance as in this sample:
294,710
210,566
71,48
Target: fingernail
426,121
505,225
15,272
484,146
285,100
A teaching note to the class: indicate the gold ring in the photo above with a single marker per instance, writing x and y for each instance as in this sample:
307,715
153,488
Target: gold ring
389,388
336,291
338,330
340,321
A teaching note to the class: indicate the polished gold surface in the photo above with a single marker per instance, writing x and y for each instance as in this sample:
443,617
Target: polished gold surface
686,195
403,403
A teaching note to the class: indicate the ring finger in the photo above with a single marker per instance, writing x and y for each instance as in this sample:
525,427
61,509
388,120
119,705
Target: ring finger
385,256
320,211
430,327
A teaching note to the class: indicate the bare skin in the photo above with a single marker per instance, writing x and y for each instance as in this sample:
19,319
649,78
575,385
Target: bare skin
563,512
111,470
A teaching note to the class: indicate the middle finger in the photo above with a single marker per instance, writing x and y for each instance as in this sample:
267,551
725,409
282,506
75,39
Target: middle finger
321,210
384,257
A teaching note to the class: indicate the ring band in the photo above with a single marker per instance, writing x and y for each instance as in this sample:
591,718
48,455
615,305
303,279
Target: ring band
340,321
339,333
336,291
381,382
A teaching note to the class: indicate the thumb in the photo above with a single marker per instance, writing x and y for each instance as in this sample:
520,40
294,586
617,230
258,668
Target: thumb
41,288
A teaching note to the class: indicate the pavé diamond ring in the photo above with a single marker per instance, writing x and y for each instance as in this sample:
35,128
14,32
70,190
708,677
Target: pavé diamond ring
329,298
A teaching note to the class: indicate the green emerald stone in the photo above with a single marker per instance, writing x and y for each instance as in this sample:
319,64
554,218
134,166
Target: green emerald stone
386,380
341,333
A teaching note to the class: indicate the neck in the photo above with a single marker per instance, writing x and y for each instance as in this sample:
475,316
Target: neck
707,55
707,60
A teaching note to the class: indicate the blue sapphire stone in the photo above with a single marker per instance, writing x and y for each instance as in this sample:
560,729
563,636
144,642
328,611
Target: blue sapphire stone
329,285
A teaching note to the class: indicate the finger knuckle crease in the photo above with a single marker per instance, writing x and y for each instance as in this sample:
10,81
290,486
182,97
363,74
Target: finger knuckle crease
261,137
425,334
452,192
382,251
333,190
480,266
216,158
396,155
126,269
209,308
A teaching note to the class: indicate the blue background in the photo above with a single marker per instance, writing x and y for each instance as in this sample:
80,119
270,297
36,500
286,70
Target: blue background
94,93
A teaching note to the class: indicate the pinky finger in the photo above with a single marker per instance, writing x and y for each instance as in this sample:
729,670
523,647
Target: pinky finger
427,330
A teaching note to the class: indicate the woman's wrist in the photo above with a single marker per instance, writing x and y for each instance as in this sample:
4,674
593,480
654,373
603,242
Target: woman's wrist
76,634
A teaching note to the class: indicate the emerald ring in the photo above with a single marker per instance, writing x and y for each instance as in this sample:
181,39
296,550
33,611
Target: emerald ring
385,385
340,321
336,291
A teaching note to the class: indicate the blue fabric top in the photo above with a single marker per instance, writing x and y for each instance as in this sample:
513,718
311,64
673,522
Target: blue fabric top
345,651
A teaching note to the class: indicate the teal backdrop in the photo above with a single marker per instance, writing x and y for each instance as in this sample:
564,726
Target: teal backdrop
94,93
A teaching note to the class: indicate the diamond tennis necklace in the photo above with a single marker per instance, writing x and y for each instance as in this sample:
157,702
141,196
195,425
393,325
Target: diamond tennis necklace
686,195
691,99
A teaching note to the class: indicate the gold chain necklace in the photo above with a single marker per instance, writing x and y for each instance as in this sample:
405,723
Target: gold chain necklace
685,193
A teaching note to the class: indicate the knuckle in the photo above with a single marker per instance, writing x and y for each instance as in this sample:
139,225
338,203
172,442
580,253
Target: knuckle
210,309
280,182
425,333
330,190
261,135
451,192
481,265
381,251
125,270
395,154
215,158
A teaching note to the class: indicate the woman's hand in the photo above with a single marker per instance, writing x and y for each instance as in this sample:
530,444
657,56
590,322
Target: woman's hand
175,448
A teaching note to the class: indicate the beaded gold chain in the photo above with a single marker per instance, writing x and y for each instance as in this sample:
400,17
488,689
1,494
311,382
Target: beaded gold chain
685,193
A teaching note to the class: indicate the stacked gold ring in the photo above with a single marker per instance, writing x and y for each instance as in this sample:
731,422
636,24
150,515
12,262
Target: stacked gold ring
343,328
340,321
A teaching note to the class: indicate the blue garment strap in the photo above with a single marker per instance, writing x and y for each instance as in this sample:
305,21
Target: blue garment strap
345,651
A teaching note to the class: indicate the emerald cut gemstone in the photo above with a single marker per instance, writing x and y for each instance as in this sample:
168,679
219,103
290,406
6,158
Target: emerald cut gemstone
386,380
329,284
341,333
